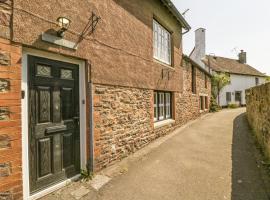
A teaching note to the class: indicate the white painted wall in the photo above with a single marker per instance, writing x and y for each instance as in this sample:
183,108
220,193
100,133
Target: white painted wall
238,83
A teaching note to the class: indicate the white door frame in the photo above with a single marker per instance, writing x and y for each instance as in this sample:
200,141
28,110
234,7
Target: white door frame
24,112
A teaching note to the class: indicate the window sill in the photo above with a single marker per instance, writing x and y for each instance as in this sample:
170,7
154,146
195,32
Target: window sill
163,123
202,111
163,64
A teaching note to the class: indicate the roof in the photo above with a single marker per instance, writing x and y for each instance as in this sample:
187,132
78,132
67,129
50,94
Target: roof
196,65
233,66
176,13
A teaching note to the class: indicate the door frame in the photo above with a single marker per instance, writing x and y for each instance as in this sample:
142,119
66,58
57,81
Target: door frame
24,112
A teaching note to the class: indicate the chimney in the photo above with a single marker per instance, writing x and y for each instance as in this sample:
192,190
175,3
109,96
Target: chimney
200,47
242,57
200,41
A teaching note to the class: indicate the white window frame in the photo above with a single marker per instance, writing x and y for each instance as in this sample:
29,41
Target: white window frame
162,43
162,106
168,105
156,106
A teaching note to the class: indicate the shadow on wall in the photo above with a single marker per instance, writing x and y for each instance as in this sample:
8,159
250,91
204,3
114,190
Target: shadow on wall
247,173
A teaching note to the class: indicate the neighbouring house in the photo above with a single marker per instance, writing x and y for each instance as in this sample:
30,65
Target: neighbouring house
242,75
86,94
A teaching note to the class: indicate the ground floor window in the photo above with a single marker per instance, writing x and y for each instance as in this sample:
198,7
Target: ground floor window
228,97
206,103
202,103
162,105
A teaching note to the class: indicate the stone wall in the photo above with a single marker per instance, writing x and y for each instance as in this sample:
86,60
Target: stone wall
10,121
5,18
123,117
258,113
122,122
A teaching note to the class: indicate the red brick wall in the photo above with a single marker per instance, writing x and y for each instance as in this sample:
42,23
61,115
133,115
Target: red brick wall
10,121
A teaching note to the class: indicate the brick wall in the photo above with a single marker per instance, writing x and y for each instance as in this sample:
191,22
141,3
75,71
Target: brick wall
10,121
258,109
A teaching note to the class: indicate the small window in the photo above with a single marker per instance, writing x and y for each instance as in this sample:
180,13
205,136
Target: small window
206,103
202,103
228,97
66,74
257,82
162,43
162,106
193,79
43,70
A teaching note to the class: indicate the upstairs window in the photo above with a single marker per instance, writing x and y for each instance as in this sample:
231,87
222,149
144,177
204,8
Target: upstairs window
205,81
162,43
162,106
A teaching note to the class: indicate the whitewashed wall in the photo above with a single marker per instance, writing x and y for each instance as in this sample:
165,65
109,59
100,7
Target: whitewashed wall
238,83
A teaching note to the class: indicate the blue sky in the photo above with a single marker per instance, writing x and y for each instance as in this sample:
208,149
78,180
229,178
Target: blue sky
231,25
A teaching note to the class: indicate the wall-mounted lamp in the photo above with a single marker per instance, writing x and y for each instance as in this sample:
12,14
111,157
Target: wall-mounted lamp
64,24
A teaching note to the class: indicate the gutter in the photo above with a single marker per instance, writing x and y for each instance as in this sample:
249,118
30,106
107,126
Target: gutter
169,4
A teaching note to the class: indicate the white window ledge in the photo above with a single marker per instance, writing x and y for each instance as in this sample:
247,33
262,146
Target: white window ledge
163,123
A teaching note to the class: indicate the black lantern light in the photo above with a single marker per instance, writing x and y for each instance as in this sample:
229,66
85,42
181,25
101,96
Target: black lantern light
64,24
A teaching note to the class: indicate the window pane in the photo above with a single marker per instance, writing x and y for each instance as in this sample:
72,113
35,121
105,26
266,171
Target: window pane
202,102
161,106
155,106
206,102
162,43
168,105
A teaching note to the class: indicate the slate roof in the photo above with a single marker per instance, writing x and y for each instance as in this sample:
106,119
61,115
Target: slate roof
195,64
233,66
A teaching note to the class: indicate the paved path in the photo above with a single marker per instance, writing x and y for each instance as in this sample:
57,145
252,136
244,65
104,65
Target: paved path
212,159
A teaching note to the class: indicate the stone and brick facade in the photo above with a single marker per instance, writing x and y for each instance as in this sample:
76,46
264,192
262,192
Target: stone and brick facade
121,69
258,109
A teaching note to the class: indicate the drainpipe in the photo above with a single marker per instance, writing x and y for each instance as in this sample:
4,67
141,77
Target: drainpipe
90,163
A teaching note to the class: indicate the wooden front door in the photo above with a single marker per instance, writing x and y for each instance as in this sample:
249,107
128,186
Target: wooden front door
54,136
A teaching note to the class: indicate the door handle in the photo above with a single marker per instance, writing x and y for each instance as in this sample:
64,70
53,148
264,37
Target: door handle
77,120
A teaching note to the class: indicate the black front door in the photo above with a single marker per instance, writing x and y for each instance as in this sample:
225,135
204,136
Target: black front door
54,136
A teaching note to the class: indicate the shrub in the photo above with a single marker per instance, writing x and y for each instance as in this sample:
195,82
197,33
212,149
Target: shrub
233,106
214,107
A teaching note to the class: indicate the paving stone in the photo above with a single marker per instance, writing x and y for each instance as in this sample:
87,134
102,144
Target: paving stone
99,181
79,193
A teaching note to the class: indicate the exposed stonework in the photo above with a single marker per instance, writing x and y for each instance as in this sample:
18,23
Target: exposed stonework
258,109
122,122
123,117
4,85
6,196
4,114
4,142
5,169
5,18
4,58
189,105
